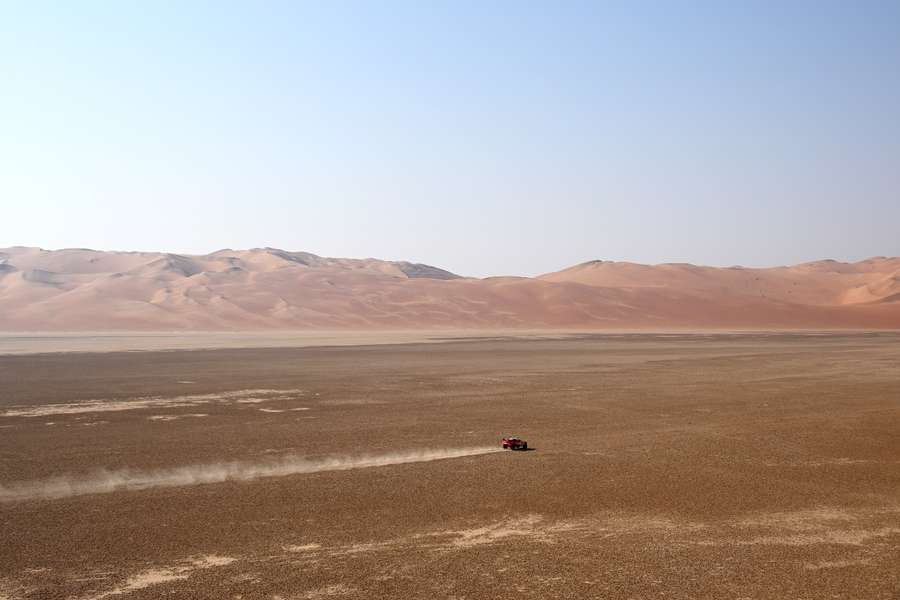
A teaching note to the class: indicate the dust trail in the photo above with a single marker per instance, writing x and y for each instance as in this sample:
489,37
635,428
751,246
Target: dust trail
106,481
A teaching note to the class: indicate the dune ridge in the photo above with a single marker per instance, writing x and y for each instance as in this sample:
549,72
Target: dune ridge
271,289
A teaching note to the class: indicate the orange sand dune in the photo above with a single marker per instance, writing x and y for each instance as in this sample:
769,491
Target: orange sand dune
87,290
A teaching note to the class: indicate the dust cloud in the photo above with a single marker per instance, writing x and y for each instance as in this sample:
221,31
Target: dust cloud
108,481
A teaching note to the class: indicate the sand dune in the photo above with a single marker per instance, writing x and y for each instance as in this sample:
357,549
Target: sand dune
821,283
267,288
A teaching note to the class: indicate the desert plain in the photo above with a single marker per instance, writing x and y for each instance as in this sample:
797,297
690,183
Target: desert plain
679,465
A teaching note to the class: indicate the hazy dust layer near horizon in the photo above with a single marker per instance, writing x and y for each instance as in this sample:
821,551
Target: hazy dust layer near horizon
270,289
122,341
671,466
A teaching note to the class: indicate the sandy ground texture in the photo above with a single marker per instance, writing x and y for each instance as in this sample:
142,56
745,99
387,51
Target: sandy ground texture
664,466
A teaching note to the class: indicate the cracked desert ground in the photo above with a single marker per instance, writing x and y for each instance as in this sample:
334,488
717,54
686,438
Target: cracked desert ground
744,465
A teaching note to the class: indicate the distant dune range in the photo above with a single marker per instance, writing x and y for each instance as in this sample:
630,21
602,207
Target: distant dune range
266,289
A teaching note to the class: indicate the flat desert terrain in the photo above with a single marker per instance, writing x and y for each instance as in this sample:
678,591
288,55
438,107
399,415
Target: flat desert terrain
713,465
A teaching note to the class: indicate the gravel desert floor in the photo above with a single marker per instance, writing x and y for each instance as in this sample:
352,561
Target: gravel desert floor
746,465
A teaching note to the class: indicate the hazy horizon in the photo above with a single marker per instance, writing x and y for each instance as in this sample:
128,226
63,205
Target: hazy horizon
485,140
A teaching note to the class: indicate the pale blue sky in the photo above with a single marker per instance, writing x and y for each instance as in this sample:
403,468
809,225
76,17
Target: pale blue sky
482,137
